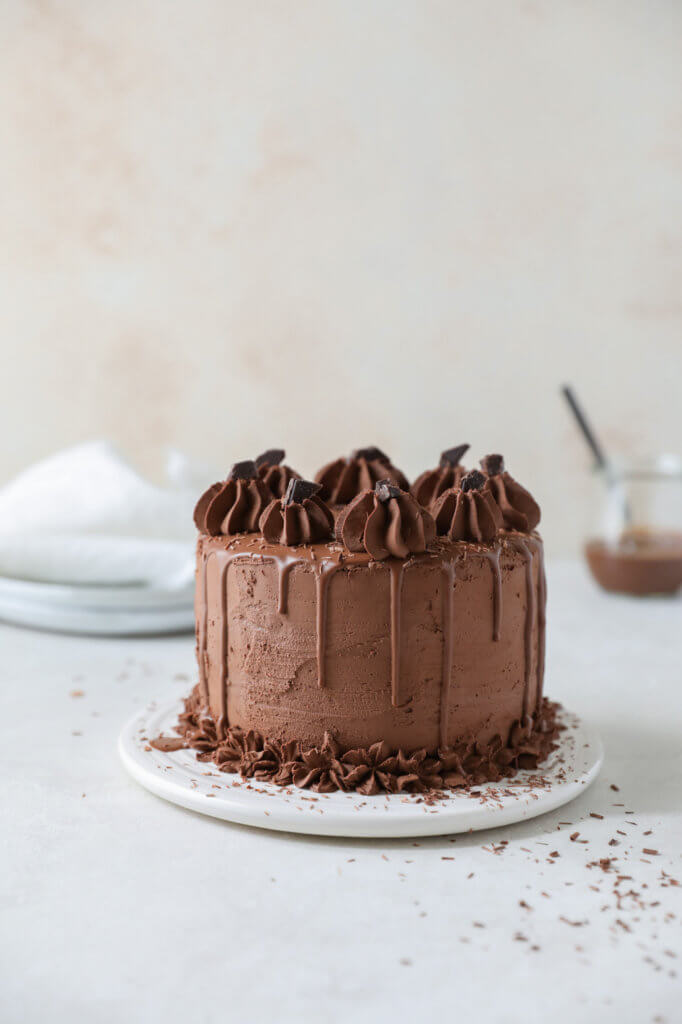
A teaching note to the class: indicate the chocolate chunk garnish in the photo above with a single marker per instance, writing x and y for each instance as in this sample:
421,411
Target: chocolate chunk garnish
245,470
385,490
473,481
370,454
298,490
452,456
492,465
272,457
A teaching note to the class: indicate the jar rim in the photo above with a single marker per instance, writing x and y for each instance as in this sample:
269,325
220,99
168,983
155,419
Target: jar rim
664,466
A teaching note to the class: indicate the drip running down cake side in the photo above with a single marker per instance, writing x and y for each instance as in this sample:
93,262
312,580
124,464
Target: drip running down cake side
350,636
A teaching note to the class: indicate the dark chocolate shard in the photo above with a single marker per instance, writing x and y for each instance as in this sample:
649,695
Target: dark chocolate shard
492,465
473,481
370,455
299,490
452,456
272,457
245,470
385,490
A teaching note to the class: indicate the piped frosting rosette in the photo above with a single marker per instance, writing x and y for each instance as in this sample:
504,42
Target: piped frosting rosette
520,510
234,506
300,517
429,485
273,473
385,522
343,479
468,512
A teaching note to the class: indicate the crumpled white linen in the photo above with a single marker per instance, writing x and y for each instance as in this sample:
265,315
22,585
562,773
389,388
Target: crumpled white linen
85,516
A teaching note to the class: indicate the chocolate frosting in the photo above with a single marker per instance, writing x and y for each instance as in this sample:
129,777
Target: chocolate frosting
519,509
300,517
343,479
429,486
375,769
234,506
468,512
385,522
273,473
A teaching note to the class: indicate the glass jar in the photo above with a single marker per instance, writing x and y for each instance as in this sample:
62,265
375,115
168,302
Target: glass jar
636,547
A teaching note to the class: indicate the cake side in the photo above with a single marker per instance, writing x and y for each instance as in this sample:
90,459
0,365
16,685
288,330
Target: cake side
430,652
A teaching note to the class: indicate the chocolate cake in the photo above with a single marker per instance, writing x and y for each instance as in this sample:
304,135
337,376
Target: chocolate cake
355,634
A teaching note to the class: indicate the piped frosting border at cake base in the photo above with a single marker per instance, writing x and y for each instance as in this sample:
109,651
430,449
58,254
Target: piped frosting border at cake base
377,769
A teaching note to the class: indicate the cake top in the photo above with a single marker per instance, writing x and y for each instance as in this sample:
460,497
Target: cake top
366,504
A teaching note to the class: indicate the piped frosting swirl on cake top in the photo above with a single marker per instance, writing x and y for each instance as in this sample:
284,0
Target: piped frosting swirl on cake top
234,506
273,473
385,522
429,485
300,517
520,510
468,512
343,479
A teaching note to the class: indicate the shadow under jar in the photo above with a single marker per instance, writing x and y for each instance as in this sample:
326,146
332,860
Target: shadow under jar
637,546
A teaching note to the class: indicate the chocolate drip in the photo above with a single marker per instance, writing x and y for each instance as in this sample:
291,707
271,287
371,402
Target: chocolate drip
324,575
224,638
493,557
396,569
541,615
225,559
284,567
203,629
542,619
448,605
528,626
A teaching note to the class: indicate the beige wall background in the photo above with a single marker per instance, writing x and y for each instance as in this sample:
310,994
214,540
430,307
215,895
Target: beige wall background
225,226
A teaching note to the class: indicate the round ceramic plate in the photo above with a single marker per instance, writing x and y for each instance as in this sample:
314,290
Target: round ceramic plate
110,610
178,776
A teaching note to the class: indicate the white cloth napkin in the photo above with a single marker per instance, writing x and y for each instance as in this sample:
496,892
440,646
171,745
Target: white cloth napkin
86,516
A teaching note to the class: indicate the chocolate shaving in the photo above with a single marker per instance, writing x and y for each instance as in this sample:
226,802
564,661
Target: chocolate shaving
473,481
385,490
452,456
272,457
245,470
298,490
492,465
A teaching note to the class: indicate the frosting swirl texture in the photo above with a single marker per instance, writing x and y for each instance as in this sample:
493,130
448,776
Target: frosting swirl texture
234,506
273,473
468,512
300,517
429,485
385,522
520,510
342,479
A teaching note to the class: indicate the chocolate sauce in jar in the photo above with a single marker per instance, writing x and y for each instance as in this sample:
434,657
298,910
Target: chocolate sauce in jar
641,562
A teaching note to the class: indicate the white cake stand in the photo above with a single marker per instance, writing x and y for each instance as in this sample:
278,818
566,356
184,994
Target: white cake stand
178,776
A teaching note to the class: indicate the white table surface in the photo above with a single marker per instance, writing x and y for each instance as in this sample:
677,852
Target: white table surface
117,906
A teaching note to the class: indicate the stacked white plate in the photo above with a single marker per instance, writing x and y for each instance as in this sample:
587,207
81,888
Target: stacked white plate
120,610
